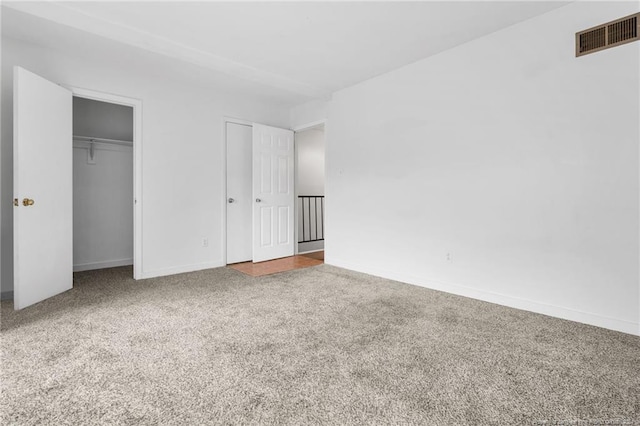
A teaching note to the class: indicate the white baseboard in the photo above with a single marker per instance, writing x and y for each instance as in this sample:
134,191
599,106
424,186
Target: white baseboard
309,246
182,269
310,251
102,265
500,299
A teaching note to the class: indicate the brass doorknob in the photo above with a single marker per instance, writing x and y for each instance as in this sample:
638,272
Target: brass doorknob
27,202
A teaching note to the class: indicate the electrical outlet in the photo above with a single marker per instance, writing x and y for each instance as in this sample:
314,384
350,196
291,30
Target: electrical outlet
448,257
205,242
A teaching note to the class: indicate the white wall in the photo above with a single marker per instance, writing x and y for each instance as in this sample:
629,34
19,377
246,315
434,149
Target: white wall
307,113
504,169
182,149
310,162
102,119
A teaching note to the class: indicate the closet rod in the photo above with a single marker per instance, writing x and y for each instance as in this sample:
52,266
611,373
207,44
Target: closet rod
102,140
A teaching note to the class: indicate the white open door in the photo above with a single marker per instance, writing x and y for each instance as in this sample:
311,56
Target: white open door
42,183
239,193
273,193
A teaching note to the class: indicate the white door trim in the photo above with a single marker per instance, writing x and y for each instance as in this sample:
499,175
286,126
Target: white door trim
136,104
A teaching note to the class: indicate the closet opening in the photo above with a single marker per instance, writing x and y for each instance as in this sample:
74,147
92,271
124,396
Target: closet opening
103,184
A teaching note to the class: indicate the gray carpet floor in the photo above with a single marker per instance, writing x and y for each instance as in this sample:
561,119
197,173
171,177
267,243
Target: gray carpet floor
315,346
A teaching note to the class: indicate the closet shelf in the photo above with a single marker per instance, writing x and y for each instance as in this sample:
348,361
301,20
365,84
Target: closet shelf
102,140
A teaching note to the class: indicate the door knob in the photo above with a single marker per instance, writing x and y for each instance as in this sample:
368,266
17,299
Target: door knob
258,200
27,202
231,200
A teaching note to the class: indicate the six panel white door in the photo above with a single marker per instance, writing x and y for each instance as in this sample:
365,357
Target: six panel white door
42,172
239,193
273,193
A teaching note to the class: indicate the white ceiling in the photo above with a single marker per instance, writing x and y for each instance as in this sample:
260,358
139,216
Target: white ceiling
294,51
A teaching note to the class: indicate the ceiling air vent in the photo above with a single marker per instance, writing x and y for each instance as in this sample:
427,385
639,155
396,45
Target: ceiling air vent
608,35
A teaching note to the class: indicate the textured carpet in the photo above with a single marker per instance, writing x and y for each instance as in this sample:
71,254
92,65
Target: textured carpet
314,346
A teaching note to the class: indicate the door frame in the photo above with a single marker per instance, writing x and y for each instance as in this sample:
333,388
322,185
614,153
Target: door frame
297,129
136,104
225,196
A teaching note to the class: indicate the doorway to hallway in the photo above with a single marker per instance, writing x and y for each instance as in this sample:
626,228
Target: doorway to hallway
260,192
310,195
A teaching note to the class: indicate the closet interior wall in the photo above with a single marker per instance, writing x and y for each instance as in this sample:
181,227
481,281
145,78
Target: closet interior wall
102,184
